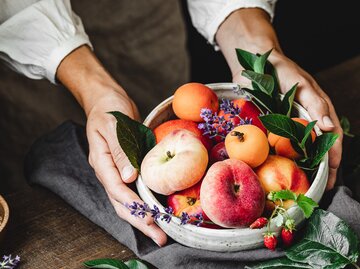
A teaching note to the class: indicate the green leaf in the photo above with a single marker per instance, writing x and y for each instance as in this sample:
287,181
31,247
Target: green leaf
321,145
259,64
263,81
106,264
284,195
345,125
263,99
135,264
329,243
281,263
134,138
307,135
306,204
270,69
280,125
288,100
246,59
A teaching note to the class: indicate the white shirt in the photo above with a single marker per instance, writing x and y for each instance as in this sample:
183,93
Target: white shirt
36,35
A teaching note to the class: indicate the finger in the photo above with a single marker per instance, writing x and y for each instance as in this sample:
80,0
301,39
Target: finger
149,228
317,107
127,171
332,178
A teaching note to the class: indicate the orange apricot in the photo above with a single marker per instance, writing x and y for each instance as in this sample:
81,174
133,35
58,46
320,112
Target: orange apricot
282,145
247,143
190,98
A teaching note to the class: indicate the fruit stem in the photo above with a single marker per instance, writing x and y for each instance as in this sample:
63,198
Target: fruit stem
169,155
240,135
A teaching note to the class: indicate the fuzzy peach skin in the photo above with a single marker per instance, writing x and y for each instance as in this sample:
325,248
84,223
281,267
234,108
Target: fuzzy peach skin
231,194
167,127
280,173
178,162
282,145
190,98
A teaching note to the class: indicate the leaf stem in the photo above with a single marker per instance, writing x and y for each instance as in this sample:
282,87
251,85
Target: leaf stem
356,266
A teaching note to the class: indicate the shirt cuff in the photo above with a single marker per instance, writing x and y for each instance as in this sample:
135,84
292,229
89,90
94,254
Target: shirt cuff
60,52
212,27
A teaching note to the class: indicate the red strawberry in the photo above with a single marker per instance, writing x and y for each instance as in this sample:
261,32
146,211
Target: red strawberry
259,223
270,241
287,236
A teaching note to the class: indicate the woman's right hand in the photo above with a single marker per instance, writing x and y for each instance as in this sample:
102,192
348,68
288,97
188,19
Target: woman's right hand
98,94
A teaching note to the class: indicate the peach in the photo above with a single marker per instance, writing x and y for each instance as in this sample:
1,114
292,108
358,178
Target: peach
178,162
280,173
188,201
218,153
282,145
231,194
167,127
190,98
247,110
247,143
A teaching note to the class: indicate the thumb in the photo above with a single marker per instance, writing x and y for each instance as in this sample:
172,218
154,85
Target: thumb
318,109
127,172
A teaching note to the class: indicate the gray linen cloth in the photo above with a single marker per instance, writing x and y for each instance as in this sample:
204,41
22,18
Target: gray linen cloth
59,162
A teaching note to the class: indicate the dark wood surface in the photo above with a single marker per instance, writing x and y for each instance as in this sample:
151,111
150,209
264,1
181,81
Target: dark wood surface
48,233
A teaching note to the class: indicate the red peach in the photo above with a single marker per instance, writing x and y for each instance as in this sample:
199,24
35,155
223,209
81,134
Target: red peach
231,194
167,127
280,173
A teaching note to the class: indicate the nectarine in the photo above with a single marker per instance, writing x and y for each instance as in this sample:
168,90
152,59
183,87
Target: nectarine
218,153
248,110
282,145
190,98
247,143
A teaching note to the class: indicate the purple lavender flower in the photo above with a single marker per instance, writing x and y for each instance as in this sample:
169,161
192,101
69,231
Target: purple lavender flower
199,219
9,262
169,213
185,218
155,213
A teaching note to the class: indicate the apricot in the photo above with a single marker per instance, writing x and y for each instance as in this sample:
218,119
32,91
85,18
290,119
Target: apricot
282,145
167,127
280,173
190,98
247,143
247,110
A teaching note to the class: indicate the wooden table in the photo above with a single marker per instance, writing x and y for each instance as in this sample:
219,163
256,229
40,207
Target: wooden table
48,233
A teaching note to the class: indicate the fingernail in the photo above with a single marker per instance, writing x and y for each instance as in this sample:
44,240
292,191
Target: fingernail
328,122
127,172
156,242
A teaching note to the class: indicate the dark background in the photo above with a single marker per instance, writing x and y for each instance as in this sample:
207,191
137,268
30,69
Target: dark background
315,34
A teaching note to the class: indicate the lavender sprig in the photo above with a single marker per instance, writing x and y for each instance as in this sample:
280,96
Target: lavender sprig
9,263
141,210
216,126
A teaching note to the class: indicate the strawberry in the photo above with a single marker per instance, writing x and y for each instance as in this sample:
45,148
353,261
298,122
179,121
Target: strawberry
259,223
287,236
270,241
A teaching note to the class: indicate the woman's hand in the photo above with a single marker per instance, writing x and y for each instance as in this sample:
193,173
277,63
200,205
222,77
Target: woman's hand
250,29
98,94
313,99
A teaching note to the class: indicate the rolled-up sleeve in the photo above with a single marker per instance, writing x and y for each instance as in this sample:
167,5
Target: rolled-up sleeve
207,15
35,40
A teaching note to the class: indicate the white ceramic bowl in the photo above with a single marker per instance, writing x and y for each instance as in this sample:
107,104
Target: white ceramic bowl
224,239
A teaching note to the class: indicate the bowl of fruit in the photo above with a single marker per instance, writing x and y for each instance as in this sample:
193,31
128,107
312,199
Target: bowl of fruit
222,172
228,168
